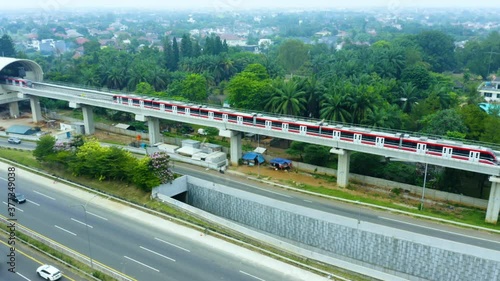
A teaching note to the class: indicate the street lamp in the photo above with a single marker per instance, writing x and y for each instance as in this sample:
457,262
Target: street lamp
258,162
84,206
423,189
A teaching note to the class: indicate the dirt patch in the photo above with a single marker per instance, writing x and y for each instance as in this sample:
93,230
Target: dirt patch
113,138
267,172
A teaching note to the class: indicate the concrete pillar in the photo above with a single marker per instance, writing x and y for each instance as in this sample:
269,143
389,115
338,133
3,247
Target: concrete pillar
235,144
493,201
343,167
36,111
14,109
154,130
88,119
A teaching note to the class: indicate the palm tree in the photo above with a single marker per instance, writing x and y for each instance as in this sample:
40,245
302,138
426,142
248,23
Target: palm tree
335,104
286,98
115,78
408,96
158,78
361,103
314,90
136,75
443,95
89,77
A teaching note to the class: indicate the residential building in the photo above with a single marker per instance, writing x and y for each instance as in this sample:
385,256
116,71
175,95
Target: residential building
490,90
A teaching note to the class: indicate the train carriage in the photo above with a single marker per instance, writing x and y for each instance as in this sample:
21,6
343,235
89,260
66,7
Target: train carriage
358,135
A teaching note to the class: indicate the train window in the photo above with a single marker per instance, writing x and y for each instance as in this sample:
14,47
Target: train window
369,138
461,152
293,127
217,115
489,157
391,141
148,103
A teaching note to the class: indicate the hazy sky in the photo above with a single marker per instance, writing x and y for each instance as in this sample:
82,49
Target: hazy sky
54,5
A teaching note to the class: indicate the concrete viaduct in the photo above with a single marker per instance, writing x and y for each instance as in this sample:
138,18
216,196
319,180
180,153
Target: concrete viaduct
87,99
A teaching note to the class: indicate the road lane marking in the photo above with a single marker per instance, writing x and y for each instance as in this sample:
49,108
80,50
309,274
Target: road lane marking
173,245
308,201
142,264
102,218
445,231
13,206
277,193
243,272
163,256
75,220
65,230
33,203
44,195
25,278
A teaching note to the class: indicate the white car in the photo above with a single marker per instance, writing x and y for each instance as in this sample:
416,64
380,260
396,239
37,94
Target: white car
48,272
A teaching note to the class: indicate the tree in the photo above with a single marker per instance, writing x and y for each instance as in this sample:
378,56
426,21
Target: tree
491,125
186,46
292,54
474,119
314,90
286,98
418,75
438,49
144,88
408,96
44,148
249,88
297,149
335,104
442,122
194,88
175,54
7,47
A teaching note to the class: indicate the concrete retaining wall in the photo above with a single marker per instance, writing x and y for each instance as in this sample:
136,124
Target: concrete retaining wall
404,254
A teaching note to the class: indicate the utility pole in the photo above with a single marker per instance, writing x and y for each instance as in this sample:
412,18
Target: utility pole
491,54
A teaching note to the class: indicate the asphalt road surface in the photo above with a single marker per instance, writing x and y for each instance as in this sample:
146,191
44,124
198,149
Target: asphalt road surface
132,245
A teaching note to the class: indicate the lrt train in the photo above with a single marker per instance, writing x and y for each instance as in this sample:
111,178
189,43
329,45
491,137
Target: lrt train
16,81
423,145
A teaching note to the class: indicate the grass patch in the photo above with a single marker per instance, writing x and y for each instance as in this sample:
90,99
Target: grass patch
20,156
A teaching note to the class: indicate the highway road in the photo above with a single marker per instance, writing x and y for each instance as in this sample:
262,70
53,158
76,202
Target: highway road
433,229
27,261
132,245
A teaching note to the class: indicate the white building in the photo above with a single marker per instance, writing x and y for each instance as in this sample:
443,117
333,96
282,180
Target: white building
490,91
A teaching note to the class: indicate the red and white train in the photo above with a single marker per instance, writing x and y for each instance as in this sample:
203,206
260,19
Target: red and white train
424,145
16,81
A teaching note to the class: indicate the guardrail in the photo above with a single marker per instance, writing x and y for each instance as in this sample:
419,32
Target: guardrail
71,253
51,256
